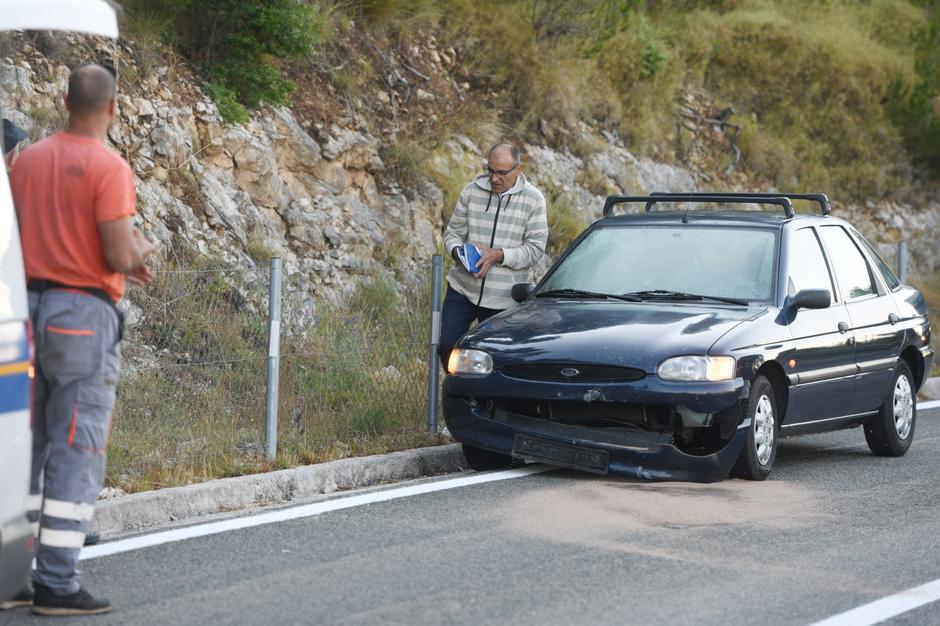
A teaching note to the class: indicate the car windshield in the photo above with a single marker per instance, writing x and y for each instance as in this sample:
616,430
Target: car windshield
670,263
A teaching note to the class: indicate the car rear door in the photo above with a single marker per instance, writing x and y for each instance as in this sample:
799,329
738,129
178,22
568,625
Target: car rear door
878,336
822,367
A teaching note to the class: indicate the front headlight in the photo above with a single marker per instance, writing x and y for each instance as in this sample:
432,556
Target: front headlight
469,363
702,368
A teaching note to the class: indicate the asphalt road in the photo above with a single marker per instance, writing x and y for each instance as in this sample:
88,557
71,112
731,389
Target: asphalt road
833,529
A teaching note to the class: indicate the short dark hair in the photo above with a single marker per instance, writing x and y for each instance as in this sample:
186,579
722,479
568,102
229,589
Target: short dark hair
91,87
513,151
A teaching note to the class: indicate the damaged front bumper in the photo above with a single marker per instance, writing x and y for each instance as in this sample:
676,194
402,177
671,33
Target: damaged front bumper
517,419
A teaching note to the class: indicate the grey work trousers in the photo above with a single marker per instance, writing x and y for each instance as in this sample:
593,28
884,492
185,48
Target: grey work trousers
78,361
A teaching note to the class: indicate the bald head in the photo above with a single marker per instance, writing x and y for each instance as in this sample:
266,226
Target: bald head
503,165
91,89
504,149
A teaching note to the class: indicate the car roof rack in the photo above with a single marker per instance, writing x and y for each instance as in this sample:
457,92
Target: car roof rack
656,198
819,198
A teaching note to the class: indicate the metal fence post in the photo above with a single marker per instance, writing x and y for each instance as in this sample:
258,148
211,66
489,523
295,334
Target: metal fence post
274,360
437,279
903,259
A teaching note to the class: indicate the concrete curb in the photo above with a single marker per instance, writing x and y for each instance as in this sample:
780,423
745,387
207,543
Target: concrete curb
153,509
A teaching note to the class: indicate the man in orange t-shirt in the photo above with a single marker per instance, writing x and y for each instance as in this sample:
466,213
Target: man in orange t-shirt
75,201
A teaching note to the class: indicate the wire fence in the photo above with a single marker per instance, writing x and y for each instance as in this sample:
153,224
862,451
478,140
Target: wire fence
191,404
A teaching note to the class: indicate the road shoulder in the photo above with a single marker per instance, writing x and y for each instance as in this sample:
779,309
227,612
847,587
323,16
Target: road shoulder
150,510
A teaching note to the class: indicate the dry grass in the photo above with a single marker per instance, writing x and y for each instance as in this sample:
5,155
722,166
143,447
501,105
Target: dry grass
354,384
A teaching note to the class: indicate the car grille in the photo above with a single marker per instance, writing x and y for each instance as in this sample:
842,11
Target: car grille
574,372
603,415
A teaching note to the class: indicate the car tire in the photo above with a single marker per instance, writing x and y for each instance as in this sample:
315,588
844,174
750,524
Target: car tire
760,449
483,460
891,431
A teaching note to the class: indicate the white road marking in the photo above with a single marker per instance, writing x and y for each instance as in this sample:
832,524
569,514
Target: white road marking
308,510
891,606
886,608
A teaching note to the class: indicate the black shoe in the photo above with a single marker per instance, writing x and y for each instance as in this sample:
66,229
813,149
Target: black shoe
45,602
92,538
23,598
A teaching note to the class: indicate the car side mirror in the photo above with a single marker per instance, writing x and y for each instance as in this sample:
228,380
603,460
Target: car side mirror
810,299
522,291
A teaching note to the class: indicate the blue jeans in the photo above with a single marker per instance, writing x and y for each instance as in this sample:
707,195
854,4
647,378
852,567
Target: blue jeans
458,314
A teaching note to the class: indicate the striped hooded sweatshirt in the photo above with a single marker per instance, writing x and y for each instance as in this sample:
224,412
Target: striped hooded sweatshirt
514,221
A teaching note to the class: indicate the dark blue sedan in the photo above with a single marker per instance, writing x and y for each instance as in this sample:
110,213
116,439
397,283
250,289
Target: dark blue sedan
683,344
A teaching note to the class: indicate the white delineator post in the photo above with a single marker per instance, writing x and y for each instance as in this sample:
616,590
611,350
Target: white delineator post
274,361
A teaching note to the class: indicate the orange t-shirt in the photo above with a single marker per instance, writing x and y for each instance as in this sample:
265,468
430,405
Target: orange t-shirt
62,187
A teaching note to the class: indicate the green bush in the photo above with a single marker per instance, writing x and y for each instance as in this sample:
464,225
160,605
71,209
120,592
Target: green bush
237,44
226,99
815,79
918,110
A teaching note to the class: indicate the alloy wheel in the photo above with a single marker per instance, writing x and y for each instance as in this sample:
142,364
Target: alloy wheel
903,407
764,430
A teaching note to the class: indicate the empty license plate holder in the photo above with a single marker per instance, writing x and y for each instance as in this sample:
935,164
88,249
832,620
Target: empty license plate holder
581,458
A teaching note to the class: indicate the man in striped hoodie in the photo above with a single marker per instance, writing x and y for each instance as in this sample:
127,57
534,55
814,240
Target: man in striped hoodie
504,216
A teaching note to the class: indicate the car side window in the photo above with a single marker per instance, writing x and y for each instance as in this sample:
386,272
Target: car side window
808,268
890,279
855,279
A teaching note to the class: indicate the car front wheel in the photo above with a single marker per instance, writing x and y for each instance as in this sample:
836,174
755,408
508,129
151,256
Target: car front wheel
760,450
891,431
482,460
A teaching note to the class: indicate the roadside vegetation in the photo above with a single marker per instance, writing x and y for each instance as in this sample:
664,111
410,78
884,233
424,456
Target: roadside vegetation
193,406
839,95
236,45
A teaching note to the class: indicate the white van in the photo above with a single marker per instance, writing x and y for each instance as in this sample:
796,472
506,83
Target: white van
16,537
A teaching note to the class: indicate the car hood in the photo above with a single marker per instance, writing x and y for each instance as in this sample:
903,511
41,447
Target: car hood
638,335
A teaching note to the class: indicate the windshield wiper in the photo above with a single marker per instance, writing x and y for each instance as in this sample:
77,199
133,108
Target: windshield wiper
682,295
580,293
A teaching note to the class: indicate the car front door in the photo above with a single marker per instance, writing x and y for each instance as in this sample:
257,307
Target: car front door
878,336
822,366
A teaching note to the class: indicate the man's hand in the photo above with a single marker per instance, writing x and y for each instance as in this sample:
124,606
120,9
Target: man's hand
488,258
144,246
125,247
141,277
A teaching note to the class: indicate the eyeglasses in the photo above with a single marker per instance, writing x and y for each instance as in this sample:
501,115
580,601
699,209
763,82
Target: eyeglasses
492,172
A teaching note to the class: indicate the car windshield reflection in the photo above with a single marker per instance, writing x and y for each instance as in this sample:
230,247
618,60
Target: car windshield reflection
690,264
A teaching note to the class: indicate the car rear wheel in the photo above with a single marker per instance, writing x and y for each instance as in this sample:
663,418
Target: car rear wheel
482,460
760,450
891,431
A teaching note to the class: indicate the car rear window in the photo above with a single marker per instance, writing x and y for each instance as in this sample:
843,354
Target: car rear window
852,269
709,261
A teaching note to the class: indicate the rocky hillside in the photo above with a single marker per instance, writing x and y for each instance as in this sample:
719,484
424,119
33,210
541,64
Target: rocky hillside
312,184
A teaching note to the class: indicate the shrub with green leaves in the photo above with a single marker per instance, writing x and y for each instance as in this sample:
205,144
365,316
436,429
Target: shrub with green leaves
237,44
918,111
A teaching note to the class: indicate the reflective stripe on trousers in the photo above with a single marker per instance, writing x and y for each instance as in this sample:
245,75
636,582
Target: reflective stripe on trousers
77,367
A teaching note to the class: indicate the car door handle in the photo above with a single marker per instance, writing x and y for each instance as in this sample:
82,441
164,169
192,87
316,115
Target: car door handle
843,327
894,319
